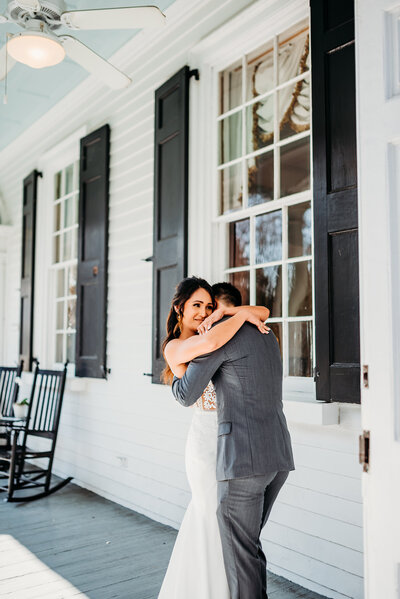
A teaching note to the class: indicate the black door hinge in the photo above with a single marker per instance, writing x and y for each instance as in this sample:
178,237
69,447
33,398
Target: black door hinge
364,450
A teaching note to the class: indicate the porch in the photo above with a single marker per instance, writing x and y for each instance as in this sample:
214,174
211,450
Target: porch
78,544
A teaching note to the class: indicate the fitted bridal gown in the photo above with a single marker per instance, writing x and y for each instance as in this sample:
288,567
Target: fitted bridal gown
196,568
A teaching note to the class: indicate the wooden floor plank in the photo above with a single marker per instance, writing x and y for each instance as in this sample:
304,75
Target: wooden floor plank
77,545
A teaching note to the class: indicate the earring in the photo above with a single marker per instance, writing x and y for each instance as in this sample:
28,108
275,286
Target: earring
179,318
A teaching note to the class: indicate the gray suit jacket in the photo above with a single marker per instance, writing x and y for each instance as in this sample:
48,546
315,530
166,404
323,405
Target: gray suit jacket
253,437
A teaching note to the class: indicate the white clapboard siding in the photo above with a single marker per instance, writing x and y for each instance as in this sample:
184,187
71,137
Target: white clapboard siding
124,438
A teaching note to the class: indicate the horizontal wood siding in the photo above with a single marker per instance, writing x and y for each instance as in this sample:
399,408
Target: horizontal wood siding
124,438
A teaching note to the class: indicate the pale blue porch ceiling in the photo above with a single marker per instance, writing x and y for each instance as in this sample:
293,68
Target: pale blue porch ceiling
32,92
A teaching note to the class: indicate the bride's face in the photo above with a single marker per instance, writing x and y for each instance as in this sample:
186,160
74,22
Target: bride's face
196,309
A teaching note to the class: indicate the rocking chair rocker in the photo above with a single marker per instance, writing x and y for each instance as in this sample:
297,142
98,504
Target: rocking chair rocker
42,422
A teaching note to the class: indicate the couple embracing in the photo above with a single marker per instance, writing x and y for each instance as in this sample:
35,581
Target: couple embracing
223,360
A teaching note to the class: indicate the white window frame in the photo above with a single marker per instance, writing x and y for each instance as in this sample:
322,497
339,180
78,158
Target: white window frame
54,160
252,28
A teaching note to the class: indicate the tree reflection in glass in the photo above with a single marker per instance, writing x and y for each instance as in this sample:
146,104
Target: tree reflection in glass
277,331
239,243
300,288
300,348
299,223
231,188
269,289
241,280
269,237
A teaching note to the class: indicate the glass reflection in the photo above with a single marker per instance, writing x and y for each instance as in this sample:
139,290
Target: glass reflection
57,185
60,315
269,237
299,230
71,347
295,167
230,88
294,108
260,71
260,176
231,188
241,280
59,347
300,288
300,348
57,217
69,178
239,243
293,55
60,283
269,289
68,215
260,124
230,135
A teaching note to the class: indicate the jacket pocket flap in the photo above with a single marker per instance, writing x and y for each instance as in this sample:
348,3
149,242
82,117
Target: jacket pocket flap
224,428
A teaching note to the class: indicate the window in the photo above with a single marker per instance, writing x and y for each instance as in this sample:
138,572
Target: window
64,261
265,200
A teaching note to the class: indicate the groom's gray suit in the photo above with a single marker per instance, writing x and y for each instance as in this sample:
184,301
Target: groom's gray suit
254,451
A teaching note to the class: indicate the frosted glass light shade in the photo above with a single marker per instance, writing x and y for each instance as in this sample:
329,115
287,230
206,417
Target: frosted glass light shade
35,50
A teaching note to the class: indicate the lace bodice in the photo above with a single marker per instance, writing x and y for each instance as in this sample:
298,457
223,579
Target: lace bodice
208,400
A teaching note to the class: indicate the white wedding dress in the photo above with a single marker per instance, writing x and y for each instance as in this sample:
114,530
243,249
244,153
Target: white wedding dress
196,568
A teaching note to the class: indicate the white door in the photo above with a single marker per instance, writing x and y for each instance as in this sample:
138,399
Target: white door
378,89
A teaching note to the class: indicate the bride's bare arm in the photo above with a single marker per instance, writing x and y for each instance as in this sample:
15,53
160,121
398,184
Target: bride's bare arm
180,352
259,313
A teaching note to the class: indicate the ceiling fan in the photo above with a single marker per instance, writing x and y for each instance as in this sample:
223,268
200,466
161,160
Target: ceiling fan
38,45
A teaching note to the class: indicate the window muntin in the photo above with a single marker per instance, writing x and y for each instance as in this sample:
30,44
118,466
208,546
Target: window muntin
264,187
64,260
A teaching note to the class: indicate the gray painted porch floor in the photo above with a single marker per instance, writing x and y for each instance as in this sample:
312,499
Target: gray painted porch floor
77,544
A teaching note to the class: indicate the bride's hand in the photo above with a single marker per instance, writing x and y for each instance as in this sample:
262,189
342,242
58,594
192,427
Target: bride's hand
262,327
209,321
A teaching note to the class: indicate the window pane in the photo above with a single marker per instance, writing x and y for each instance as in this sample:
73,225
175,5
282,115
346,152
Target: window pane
59,348
71,347
76,210
295,167
294,108
260,174
57,217
239,243
299,217
72,280
277,331
231,188
300,348
230,132
67,245
241,280
68,212
293,55
260,124
231,88
260,71
60,291
269,237
71,311
300,288
269,289
56,248
57,185
60,315
75,243
69,178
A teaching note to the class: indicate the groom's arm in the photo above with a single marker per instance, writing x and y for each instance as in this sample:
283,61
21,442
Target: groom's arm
189,388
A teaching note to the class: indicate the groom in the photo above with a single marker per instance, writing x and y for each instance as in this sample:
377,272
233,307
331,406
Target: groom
254,454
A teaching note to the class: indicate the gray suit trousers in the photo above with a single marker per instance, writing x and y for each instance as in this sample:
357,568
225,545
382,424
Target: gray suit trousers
244,505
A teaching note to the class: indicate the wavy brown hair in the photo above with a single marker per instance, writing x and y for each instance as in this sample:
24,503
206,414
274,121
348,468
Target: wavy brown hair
183,292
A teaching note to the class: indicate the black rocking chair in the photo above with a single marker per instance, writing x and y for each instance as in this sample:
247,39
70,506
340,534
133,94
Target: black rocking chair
9,390
42,421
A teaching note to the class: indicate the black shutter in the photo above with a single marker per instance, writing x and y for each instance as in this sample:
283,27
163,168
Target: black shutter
28,268
335,201
91,306
170,202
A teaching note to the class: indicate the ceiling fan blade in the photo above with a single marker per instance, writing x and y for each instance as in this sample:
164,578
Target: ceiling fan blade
94,63
135,17
10,63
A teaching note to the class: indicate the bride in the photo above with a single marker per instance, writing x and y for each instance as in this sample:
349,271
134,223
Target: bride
196,568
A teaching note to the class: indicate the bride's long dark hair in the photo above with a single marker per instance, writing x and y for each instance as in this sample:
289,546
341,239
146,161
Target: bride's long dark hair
183,292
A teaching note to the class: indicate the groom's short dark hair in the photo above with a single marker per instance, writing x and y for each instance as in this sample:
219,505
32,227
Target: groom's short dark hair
227,293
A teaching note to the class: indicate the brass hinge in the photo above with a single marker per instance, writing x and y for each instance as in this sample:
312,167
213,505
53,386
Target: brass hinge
364,450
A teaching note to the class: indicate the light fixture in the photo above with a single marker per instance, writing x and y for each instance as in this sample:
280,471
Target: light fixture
35,49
